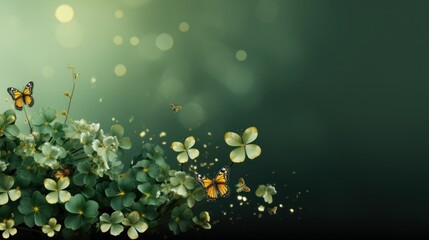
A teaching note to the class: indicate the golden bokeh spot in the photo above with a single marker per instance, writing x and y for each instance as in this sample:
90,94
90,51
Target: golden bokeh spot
142,134
64,13
120,70
184,27
145,169
119,14
80,212
122,193
118,40
134,41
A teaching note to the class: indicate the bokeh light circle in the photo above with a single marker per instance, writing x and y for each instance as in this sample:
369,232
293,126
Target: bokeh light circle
118,40
134,41
119,14
184,27
120,70
64,13
164,42
241,55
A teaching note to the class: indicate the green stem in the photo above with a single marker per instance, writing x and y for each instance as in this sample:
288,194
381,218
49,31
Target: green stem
28,120
77,150
74,76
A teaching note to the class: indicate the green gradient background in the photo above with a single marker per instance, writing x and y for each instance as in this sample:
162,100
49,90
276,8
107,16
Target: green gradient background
337,89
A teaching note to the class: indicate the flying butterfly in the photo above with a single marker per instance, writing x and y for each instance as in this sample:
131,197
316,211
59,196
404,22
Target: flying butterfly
217,187
23,97
60,173
175,108
272,211
241,186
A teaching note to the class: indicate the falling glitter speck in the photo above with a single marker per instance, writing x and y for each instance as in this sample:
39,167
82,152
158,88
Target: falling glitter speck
131,119
244,199
291,210
280,205
113,119
261,208
142,134
239,197
162,134
164,143
293,172
231,205
93,80
205,145
216,159
209,133
150,139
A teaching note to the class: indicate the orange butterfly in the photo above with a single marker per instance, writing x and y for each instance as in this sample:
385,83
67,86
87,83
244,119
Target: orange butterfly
217,187
23,97
241,186
272,211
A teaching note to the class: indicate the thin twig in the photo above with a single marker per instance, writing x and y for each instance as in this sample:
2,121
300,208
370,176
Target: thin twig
74,76
28,120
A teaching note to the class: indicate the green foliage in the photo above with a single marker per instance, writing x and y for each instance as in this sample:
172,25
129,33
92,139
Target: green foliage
69,179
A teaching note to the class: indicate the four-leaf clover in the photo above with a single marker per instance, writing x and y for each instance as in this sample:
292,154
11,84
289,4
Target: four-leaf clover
242,144
58,193
112,222
52,227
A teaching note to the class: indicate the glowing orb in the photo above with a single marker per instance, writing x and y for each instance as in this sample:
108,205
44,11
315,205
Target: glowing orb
64,13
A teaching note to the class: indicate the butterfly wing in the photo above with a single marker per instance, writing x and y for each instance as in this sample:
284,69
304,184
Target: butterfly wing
221,182
175,108
17,96
241,186
208,185
28,90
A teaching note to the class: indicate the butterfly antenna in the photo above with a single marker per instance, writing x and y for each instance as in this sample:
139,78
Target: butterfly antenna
28,120
74,77
230,165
